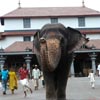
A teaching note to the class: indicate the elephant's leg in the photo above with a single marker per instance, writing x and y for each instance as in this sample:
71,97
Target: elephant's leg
62,78
61,89
50,87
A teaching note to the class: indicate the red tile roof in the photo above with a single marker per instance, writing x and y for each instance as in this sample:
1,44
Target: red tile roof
18,33
19,46
52,12
90,31
94,43
31,33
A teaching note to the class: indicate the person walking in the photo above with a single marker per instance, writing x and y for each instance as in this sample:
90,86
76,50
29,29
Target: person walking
0,75
23,73
12,80
36,75
0,81
91,76
98,68
4,78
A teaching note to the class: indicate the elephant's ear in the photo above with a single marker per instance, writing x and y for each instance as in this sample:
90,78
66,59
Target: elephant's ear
36,44
75,39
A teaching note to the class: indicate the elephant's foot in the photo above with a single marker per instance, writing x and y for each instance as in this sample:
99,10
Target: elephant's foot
61,96
56,99
61,99
51,99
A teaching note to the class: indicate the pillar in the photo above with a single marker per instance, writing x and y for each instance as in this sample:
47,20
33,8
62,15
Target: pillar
93,58
2,61
28,60
72,72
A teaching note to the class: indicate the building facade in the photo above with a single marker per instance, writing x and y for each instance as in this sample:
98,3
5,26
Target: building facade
20,25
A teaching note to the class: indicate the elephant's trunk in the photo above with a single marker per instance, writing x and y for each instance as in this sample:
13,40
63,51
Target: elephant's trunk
50,53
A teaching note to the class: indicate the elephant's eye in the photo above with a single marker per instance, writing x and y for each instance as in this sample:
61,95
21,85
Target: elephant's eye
42,40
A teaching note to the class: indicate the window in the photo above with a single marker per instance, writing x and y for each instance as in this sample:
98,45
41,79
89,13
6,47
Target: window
26,23
54,20
27,38
81,21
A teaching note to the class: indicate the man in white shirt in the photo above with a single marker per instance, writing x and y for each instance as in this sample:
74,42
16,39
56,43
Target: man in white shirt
92,78
36,75
98,68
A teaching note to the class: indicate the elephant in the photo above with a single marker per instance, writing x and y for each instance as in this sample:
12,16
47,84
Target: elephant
54,45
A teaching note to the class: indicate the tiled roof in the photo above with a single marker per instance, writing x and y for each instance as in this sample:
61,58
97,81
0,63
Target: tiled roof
19,46
89,31
52,12
18,33
31,33
94,43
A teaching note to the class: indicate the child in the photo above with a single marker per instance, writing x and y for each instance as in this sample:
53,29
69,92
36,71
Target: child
4,74
92,79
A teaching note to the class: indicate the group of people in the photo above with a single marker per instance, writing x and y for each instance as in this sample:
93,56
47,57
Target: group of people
23,73
8,77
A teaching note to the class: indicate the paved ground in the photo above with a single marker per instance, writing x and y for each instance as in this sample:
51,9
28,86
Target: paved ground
77,89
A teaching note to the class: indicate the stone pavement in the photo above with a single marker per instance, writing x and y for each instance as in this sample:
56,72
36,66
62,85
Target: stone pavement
77,89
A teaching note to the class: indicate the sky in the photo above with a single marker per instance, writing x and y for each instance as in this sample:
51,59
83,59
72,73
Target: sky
7,6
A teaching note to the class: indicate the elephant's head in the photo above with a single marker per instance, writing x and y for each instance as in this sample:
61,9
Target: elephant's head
53,42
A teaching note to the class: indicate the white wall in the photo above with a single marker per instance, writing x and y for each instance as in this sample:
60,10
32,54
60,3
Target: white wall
93,22
72,22
13,24
10,40
17,24
93,36
37,23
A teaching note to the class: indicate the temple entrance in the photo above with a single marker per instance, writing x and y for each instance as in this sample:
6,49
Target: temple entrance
17,61
82,65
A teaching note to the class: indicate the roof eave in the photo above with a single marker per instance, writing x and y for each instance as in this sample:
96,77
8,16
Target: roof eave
88,15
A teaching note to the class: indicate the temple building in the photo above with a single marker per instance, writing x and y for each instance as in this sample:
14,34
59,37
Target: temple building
20,25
